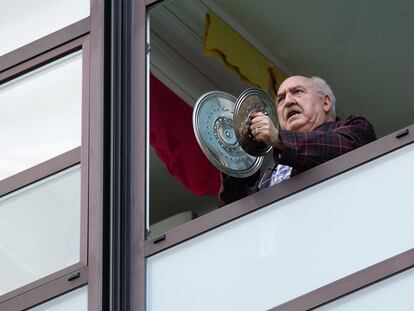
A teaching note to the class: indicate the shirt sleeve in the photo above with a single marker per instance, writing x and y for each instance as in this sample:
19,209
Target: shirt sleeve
306,150
233,189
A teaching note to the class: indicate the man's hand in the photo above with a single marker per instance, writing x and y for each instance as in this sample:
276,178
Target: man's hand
264,130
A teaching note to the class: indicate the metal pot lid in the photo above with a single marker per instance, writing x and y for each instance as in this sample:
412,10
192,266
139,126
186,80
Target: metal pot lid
213,128
250,101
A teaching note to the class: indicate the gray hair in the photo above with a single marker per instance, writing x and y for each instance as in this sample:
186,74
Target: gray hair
325,89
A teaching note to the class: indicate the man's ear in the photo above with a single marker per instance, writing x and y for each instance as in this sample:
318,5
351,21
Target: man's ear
327,103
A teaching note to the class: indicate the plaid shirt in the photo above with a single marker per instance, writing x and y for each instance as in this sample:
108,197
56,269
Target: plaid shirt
302,151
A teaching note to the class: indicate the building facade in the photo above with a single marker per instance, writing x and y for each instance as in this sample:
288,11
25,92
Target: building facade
83,225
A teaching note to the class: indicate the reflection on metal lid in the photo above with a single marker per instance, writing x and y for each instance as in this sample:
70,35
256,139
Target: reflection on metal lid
213,128
250,101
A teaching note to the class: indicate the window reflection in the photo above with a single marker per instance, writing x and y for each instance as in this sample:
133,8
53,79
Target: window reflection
40,229
24,21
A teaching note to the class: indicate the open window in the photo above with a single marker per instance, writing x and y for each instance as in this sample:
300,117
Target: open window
204,45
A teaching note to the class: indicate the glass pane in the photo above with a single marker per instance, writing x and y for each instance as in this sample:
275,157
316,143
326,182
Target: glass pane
75,300
292,246
39,229
24,21
395,293
40,115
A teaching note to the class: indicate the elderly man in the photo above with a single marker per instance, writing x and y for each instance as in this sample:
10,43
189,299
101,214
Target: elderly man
309,135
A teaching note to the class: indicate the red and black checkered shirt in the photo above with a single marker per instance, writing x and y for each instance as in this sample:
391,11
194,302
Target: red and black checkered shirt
303,151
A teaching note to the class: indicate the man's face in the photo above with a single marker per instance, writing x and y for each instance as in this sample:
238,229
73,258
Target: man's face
300,107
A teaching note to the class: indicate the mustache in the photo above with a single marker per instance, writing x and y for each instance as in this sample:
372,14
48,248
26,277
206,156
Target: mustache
288,112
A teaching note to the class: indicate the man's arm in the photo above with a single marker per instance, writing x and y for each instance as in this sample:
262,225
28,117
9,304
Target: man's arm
306,150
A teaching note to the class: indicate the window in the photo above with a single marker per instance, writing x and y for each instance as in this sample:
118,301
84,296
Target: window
204,45
47,125
23,22
44,150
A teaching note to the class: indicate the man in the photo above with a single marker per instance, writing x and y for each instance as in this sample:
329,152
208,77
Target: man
308,135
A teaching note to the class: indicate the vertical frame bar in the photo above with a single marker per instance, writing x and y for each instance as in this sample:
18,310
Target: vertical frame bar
85,152
117,158
139,96
96,277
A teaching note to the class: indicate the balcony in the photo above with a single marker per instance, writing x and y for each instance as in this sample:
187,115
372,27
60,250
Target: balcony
319,236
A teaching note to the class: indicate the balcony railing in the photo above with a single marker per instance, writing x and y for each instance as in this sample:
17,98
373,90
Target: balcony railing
321,235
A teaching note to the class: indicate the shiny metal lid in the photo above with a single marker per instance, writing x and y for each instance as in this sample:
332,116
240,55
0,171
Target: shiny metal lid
213,128
250,101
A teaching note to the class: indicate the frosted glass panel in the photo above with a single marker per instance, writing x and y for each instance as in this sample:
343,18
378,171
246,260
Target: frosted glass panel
76,300
293,246
24,21
40,115
39,229
395,293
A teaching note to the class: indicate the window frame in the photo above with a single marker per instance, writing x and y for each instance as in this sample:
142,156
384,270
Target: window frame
14,64
235,210
40,46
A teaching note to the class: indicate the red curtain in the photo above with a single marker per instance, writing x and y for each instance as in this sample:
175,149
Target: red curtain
172,137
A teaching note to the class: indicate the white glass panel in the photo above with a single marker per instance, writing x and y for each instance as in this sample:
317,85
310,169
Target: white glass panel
76,300
40,115
293,246
39,229
24,21
395,293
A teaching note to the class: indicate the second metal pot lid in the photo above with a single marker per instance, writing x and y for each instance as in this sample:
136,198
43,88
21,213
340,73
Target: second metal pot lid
250,101
213,128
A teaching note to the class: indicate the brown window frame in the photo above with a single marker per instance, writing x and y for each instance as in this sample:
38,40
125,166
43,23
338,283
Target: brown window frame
58,44
44,44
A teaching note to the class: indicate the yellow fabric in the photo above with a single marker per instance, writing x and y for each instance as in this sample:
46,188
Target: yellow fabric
239,56
277,77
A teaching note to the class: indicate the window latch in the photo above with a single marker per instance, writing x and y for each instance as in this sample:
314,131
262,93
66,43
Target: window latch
402,134
74,276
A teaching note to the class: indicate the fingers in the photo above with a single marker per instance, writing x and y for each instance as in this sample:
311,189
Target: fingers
257,113
257,131
263,129
259,120
261,133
